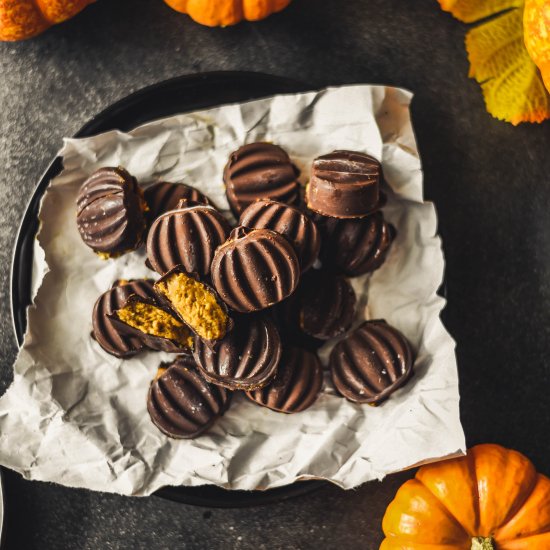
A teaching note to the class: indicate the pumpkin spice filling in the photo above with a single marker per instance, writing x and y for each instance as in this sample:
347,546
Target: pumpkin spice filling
152,320
196,304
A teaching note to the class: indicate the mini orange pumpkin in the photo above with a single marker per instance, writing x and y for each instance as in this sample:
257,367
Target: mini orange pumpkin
220,13
491,499
20,19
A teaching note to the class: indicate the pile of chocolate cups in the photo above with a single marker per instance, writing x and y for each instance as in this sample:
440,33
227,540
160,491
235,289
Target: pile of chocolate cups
246,308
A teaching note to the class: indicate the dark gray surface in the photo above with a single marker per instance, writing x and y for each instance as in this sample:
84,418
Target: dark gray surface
489,180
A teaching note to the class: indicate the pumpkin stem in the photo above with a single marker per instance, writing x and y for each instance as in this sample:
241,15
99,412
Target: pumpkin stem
483,543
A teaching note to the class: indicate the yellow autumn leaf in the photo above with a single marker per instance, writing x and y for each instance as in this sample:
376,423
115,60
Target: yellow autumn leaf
536,29
499,61
471,11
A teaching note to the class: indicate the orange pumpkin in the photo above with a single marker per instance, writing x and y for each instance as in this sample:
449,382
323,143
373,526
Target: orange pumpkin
490,499
536,33
220,13
20,19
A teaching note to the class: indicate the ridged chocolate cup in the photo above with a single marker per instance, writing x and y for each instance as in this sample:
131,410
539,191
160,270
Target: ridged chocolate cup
260,171
164,196
355,247
105,332
156,343
246,359
186,237
299,229
326,305
255,269
345,184
296,385
165,301
110,212
371,363
183,405
286,315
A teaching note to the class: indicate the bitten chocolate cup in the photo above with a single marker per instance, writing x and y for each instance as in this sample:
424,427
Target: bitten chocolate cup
164,196
110,212
290,222
246,358
344,184
181,403
187,237
255,269
371,363
105,332
195,303
326,305
155,325
260,171
355,247
296,385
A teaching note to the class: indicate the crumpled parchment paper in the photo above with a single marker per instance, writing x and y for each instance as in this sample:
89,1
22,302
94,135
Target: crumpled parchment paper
77,416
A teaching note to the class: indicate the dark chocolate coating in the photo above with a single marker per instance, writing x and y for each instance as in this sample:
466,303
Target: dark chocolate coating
156,343
326,305
344,184
287,316
246,358
355,247
182,404
290,222
260,171
110,212
188,237
296,385
105,332
371,363
164,196
255,269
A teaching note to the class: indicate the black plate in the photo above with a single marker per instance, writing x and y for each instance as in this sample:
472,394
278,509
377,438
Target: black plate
183,94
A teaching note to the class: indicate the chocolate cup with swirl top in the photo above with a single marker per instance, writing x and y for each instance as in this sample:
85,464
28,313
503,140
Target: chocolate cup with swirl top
299,229
326,305
164,196
246,359
195,303
371,363
355,247
255,269
345,184
187,237
106,333
110,212
260,171
296,385
153,323
183,405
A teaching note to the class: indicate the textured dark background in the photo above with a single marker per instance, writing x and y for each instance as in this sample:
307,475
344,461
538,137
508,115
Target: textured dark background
489,180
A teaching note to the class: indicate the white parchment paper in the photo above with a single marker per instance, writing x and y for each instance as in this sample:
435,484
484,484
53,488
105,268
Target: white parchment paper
77,416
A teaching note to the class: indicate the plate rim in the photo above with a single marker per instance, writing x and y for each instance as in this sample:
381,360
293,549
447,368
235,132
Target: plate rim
28,228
